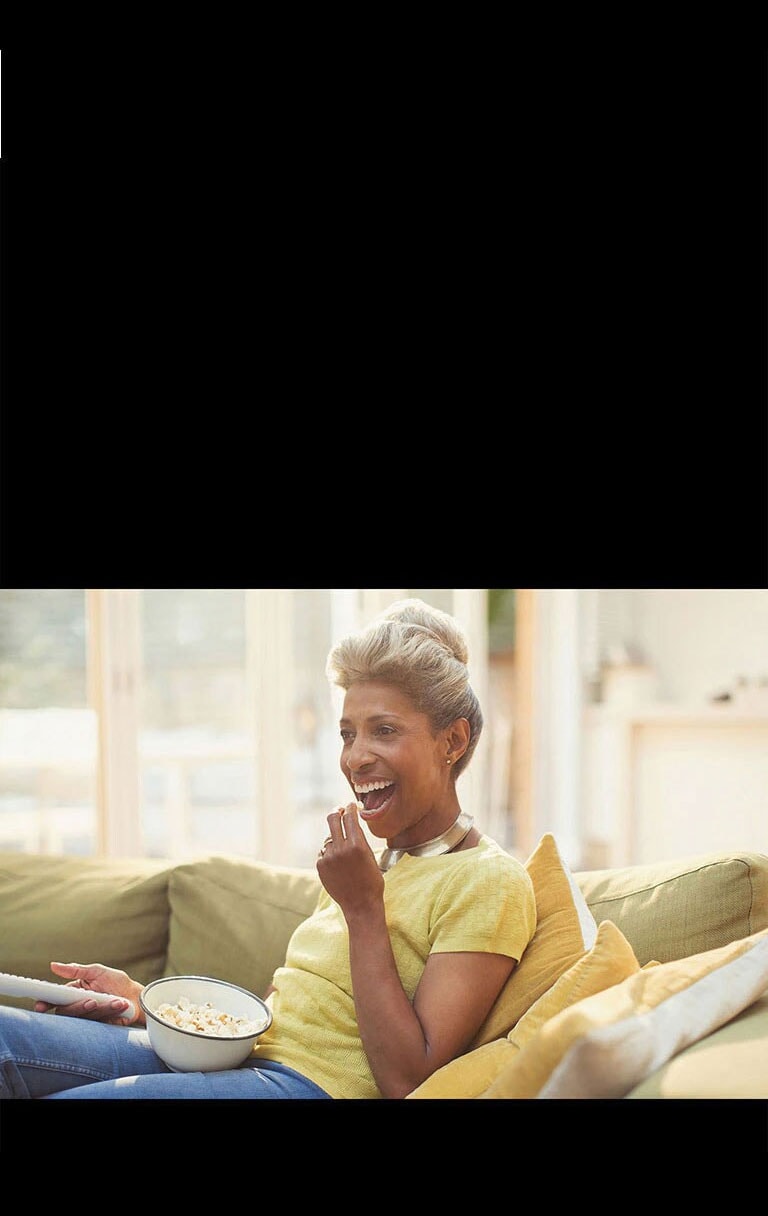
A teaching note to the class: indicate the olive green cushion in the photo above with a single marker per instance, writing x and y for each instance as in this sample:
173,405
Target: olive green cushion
82,910
670,909
232,919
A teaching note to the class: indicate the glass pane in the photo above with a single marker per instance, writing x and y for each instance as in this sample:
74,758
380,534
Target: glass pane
48,735
195,745
197,742
317,781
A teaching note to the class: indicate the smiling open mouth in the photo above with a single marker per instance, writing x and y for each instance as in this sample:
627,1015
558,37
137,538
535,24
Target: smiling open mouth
374,796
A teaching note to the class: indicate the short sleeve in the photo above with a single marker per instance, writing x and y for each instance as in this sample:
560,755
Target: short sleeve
486,905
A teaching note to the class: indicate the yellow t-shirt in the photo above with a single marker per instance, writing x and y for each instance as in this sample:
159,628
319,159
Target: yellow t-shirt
479,899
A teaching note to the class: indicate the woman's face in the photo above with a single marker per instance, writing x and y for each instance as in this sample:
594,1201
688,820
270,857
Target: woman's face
395,764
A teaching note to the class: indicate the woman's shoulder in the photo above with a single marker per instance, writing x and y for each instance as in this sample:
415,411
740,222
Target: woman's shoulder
488,878
489,856
491,848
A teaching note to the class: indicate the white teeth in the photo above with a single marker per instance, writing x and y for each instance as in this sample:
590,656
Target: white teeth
372,785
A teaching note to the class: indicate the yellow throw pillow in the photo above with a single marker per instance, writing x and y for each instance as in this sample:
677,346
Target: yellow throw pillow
565,929
610,961
605,1045
469,1075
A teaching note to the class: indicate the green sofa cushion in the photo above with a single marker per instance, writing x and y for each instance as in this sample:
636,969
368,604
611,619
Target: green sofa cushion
670,909
82,910
231,919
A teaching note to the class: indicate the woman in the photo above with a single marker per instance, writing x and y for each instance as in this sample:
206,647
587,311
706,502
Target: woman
408,948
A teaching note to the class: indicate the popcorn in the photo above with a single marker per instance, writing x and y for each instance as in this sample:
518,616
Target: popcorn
205,1019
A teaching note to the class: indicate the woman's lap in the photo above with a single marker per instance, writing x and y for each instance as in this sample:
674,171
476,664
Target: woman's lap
48,1056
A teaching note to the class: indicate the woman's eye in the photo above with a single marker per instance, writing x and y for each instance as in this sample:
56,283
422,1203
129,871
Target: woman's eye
386,730
346,735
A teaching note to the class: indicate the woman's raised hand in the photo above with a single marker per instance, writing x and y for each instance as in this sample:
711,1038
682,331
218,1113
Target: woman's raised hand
346,864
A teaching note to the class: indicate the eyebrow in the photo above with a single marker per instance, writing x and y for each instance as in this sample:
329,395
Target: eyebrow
372,718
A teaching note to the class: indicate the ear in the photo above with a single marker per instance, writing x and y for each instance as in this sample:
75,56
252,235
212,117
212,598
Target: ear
457,739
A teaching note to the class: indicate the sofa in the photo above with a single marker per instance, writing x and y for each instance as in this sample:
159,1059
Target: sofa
642,982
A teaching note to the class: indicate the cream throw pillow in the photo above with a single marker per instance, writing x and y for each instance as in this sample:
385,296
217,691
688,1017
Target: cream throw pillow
605,1045
565,929
732,1062
610,960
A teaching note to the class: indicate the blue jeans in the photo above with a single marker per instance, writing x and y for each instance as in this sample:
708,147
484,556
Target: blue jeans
45,1056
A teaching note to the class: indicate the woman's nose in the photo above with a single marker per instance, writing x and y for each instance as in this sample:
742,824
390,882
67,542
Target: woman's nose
358,755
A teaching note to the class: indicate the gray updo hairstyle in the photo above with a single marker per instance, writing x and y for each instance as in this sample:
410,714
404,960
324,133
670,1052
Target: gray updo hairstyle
421,650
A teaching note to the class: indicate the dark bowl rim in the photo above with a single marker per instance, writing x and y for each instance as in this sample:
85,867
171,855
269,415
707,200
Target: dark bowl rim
199,1034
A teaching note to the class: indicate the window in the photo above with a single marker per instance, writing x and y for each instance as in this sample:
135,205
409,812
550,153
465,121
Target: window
178,723
48,732
196,761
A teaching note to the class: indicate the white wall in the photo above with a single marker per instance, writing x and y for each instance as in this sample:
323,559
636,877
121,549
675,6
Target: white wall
700,640
681,774
556,709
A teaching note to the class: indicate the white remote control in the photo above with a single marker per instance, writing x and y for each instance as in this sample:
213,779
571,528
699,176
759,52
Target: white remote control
54,994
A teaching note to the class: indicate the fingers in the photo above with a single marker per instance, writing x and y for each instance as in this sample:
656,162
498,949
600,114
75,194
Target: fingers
334,821
352,829
63,968
340,818
73,971
343,824
95,1012
117,1012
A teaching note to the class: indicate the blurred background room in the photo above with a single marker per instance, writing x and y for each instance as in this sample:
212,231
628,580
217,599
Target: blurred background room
631,723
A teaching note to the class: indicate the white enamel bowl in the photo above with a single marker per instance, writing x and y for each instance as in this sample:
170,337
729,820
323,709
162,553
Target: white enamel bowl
191,1050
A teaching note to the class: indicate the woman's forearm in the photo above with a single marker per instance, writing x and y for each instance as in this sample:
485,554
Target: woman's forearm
391,1033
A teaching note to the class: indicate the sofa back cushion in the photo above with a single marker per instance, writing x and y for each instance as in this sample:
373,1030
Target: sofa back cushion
82,910
670,909
232,919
